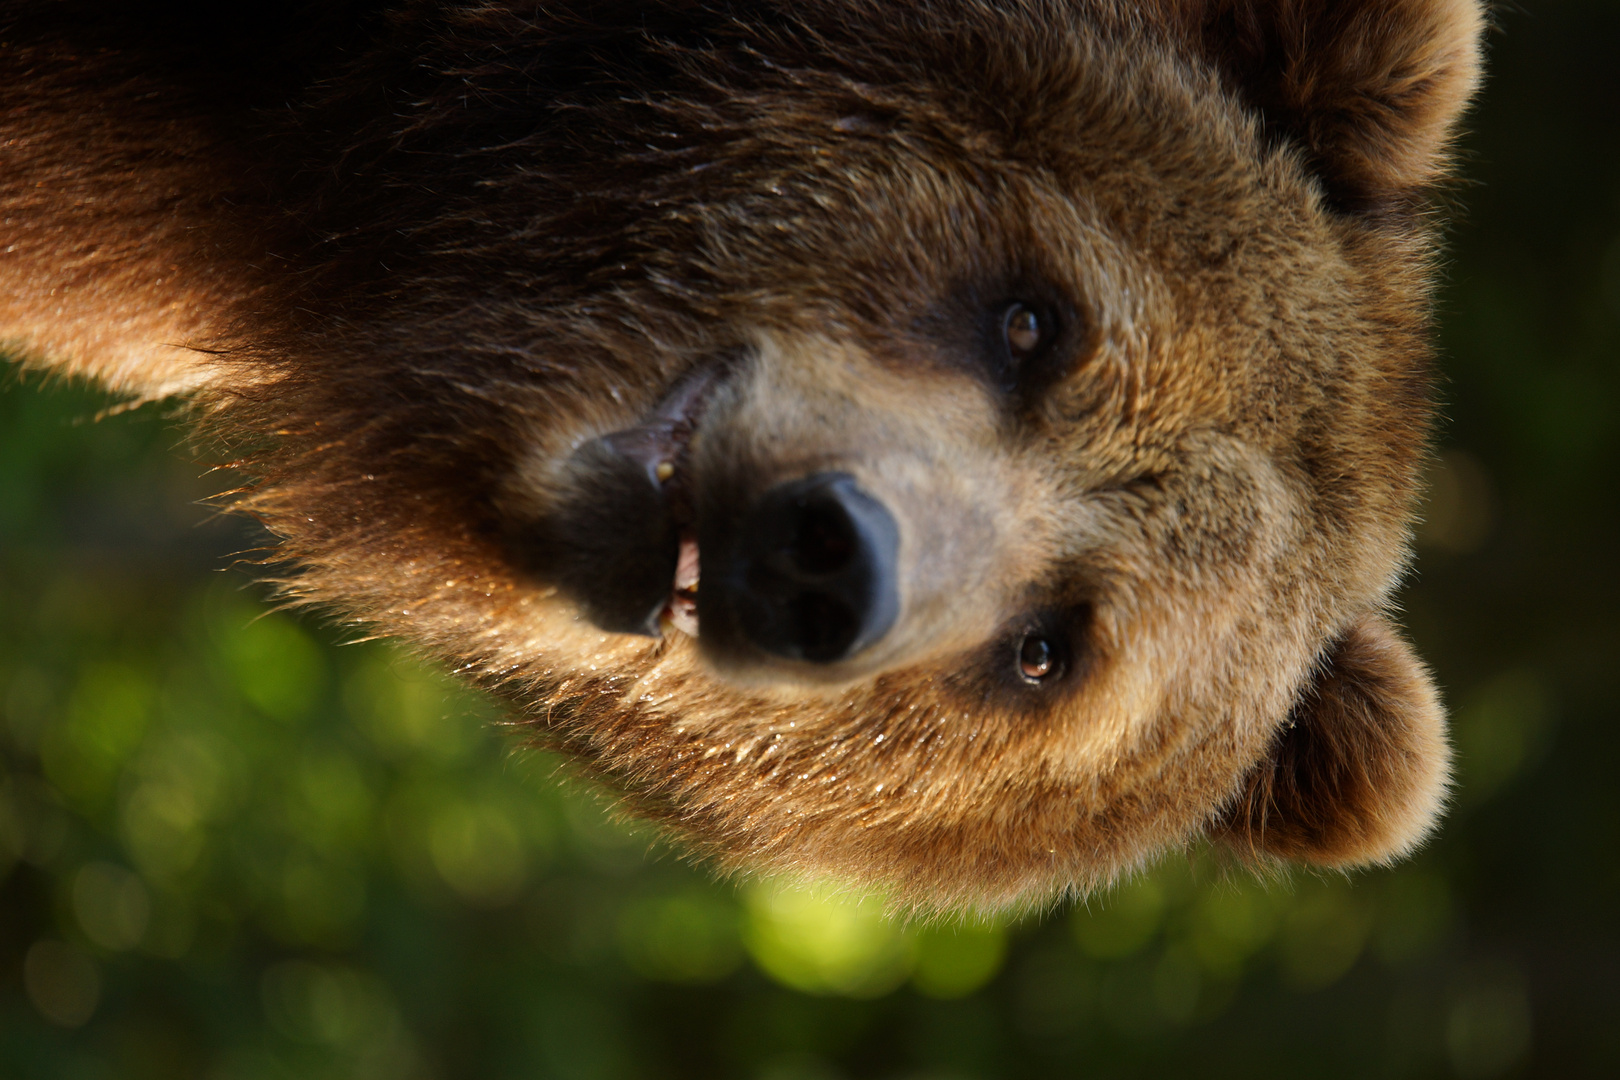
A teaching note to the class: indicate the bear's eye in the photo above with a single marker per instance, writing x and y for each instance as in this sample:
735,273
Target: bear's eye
1025,331
1037,659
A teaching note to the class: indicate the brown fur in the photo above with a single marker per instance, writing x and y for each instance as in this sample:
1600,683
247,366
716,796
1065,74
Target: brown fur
495,232
1359,771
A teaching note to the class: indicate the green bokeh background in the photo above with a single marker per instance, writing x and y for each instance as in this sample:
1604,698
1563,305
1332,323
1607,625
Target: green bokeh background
232,847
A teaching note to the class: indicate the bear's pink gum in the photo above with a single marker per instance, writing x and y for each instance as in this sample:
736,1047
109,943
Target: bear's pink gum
682,611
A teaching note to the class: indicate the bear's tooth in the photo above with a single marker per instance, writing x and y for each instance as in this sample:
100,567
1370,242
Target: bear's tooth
682,614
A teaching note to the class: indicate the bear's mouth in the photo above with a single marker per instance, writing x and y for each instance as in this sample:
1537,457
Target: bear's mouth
632,561
665,442
681,611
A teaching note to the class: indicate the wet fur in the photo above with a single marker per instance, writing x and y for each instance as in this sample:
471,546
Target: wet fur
450,243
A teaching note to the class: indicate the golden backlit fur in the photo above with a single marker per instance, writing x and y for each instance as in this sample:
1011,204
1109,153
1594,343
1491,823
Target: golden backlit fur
109,267
417,280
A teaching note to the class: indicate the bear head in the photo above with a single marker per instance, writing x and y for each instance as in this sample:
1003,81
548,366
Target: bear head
964,447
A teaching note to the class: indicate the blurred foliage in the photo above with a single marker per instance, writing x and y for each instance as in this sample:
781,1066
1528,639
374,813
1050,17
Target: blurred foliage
233,848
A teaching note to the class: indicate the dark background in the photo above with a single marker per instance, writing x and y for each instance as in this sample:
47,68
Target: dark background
232,848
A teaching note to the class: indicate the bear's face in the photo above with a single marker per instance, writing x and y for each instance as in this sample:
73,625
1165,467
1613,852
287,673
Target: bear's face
969,463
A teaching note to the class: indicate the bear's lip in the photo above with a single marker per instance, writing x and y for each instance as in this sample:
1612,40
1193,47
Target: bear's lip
660,445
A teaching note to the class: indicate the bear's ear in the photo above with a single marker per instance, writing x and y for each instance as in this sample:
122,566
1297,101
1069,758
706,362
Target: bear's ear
1360,772
1369,90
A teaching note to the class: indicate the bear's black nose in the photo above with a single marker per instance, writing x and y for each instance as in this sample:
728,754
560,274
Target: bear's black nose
815,571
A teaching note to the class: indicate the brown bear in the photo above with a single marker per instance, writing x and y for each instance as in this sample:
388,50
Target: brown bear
965,447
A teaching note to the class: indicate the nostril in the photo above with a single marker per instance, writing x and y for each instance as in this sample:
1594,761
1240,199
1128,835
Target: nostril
824,626
824,541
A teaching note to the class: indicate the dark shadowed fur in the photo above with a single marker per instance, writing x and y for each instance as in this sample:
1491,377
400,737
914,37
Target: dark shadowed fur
411,259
